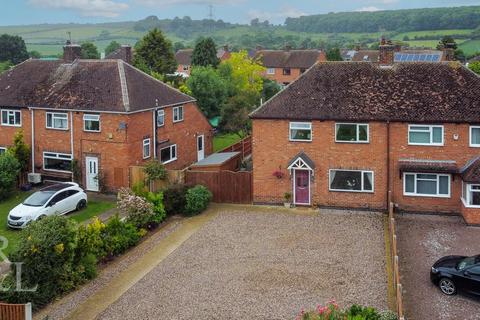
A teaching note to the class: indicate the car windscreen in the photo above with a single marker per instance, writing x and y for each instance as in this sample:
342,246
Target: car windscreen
38,199
467,262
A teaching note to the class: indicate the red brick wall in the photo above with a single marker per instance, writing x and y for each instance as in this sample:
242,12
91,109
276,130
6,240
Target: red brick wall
272,151
116,148
471,215
280,78
180,69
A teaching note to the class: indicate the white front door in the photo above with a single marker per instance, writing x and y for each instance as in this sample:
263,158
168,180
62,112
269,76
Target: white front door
200,147
91,164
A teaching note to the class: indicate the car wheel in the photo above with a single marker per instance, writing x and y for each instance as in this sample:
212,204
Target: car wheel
41,217
447,286
81,205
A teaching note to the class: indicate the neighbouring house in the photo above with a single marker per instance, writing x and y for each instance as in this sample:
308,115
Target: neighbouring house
346,133
184,59
103,115
285,66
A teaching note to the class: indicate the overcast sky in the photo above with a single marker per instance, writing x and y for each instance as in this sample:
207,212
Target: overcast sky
16,12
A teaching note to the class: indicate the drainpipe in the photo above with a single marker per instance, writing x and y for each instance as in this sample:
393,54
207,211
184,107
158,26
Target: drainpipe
32,116
389,184
154,135
71,137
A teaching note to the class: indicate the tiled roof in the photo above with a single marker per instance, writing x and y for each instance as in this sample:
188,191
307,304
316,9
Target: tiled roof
366,55
289,58
96,85
471,172
427,166
362,91
184,56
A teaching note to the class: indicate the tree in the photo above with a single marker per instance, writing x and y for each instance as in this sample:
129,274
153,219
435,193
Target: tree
209,89
205,53
4,66
35,54
112,47
246,72
235,117
9,170
447,42
20,151
13,49
89,51
475,67
154,53
270,88
334,54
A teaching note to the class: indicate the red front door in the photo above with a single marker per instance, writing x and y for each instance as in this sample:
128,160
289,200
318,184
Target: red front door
302,187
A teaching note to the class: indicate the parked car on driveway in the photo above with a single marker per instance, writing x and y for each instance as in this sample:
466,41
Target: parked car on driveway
457,273
58,199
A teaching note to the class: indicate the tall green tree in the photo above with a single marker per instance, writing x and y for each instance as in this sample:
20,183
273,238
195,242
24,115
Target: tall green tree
246,72
447,41
475,67
112,46
333,54
270,88
4,66
234,116
13,49
205,53
20,150
89,51
35,54
154,53
9,170
209,89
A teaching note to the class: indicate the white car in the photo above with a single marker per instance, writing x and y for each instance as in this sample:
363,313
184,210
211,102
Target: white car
58,199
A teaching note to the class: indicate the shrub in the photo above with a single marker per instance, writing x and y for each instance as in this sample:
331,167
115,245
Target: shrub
156,199
90,239
155,170
174,199
140,189
47,251
388,315
9,170
119,236
197,199
363,313
331,311
136,209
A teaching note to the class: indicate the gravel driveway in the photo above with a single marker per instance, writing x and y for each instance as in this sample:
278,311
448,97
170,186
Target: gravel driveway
421,241
257,265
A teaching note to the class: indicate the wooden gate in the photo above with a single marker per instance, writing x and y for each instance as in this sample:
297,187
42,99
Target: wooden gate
226,186
15,311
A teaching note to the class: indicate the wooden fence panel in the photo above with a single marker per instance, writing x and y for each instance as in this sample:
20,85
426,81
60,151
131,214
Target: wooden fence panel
15,311
243,146
226,186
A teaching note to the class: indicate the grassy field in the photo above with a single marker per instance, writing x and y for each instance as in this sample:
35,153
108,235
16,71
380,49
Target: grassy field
94,208
222,141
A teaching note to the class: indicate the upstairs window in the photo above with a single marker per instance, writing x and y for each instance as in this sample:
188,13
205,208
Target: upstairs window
271,71
146,148
425,135
300,131
475,136
57,121
160,118
178,114
351,132
287,71
12,118
91,122
426,185
168,154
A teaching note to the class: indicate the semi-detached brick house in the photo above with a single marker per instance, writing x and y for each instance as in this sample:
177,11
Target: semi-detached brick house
105,114
345,133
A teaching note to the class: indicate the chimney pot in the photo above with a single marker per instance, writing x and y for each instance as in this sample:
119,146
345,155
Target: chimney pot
71,52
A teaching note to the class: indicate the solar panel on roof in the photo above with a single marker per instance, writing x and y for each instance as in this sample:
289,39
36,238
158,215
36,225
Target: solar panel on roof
436,57
410,57
422,57
416,57
429,57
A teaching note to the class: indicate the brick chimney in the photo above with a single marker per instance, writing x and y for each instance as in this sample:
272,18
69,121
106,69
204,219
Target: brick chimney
71,52
127,53
448,52
387,52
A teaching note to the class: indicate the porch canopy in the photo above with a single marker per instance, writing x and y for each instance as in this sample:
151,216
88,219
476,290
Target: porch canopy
301,162
471,171
427,166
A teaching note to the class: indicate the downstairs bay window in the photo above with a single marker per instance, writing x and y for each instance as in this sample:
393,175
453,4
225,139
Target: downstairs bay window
471,195
426,185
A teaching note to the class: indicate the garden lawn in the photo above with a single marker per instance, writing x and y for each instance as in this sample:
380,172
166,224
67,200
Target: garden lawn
94,208
221,141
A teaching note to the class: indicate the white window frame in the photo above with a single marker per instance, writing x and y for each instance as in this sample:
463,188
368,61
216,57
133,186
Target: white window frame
3,150
473,145
362,178
466,197
9,112
53,120
173,146
162,113
271,71
358,132
291,126
85,116
58,155
176,110
437,195
411,128
146,142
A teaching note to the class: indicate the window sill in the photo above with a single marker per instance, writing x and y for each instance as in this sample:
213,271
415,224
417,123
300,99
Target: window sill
292,140
469,206
178,121
169,161
426,144
59,171
426,195
352,142
12,125
92,131
352,191
57,129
